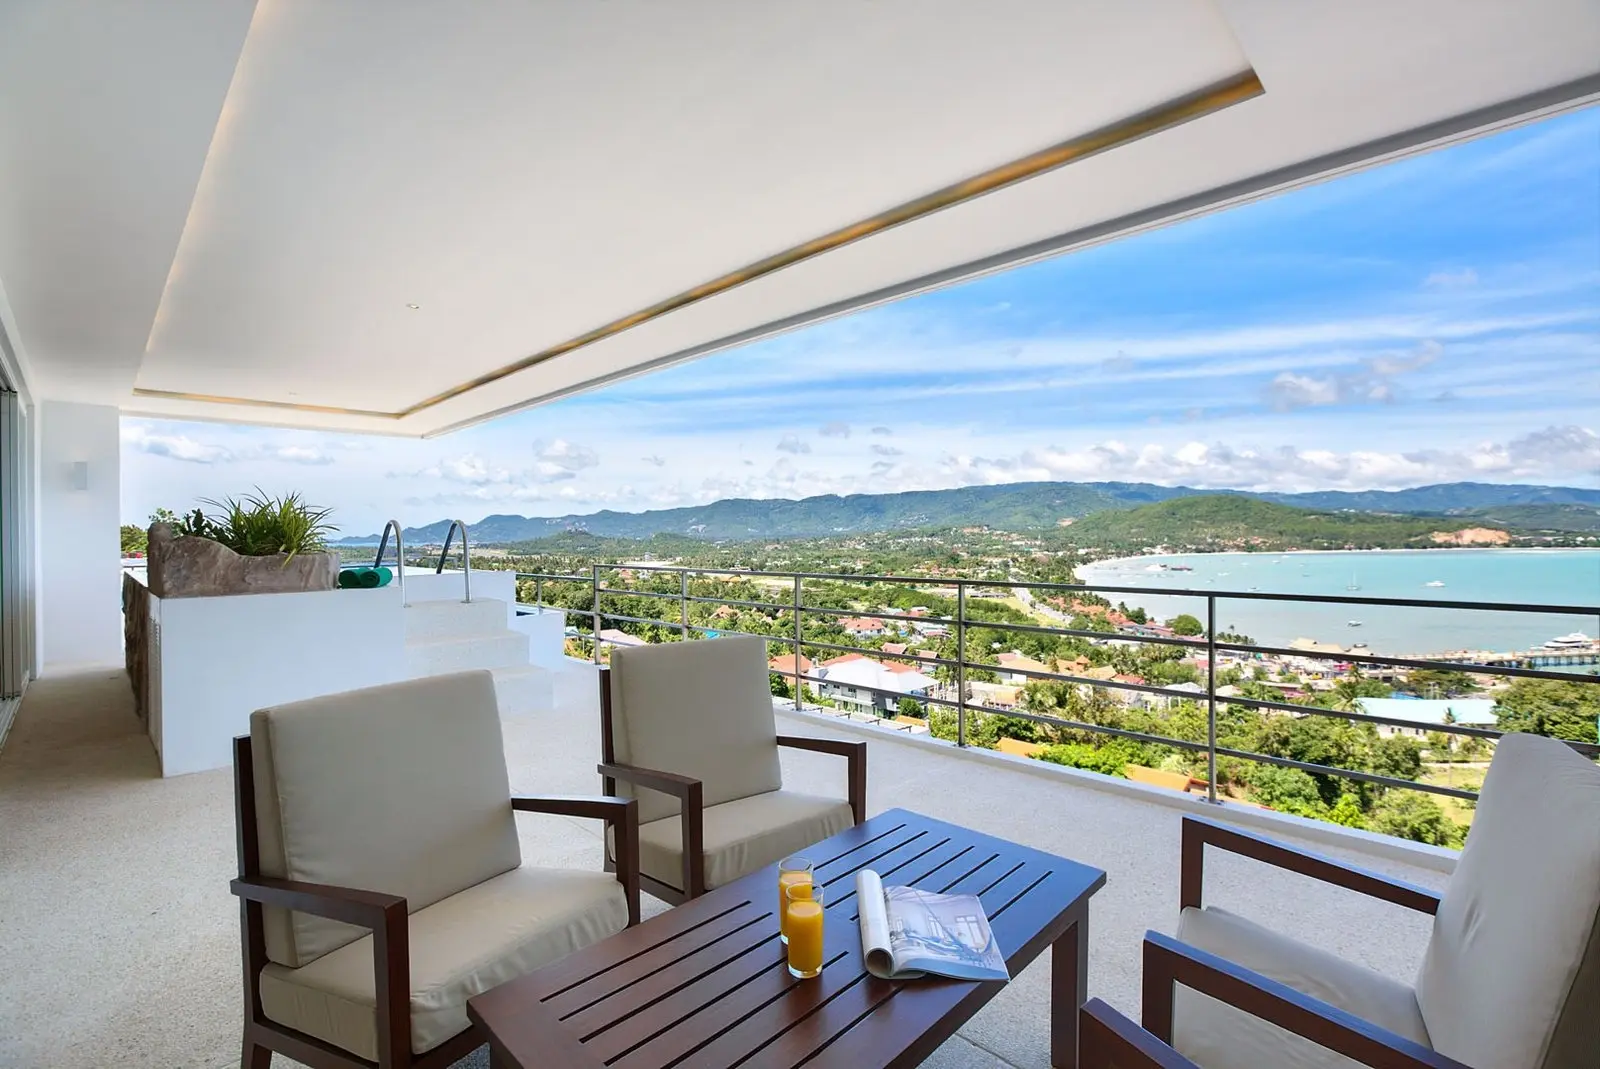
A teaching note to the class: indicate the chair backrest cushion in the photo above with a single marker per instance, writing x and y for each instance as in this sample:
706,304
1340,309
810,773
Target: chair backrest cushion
1512,974
400,789
700,709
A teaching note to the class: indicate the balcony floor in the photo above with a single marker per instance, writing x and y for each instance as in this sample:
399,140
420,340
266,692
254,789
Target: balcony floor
114,881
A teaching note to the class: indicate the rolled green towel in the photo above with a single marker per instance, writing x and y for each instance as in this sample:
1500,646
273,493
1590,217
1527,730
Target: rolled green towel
368,579
347,579
384,575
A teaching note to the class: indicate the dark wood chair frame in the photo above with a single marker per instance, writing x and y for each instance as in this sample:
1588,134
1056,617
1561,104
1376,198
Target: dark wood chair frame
386,916
689,793
1167,962
1108,1040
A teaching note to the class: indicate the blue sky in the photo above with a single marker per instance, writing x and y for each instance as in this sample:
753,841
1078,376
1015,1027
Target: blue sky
1431,320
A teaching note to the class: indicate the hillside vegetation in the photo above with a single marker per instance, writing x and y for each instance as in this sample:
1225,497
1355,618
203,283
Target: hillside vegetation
1020,507
1227,522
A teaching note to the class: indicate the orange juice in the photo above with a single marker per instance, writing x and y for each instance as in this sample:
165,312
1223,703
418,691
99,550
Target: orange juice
797,879
803,920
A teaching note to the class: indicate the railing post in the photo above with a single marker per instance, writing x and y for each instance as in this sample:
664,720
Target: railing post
594,580
961,663
799,641
538,591
1211,698
683,604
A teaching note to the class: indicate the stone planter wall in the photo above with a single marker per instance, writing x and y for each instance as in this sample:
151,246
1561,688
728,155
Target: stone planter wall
191,567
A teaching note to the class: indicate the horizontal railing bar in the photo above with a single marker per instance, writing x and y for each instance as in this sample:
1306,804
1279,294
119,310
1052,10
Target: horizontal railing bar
879,615
944,661
1366,718
1465,667
1231,595
551,576
1104,636
744,604
674,624
638,593
1076,725
1347,773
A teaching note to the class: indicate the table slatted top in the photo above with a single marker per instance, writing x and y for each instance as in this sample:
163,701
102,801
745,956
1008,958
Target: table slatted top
705,984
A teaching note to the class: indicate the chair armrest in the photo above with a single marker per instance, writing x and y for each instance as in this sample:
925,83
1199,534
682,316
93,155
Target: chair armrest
384,915
1198,833
621,813
1108,1040
369,909
665,782
1168,962
856,752
689,793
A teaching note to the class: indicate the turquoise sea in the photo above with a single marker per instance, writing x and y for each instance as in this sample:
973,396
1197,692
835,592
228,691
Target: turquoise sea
1525,576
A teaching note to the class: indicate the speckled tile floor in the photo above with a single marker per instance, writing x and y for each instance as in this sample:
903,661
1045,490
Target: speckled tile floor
121,941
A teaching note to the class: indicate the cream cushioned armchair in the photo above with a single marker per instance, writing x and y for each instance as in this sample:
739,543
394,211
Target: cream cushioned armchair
688,729
381,880
1510,980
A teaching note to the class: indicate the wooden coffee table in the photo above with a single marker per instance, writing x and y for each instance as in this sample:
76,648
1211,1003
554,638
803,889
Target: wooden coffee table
705,984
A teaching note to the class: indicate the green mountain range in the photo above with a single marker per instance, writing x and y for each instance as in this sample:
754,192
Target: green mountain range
1020,507
1233,522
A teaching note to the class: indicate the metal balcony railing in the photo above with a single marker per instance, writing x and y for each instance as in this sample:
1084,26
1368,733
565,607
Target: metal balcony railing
596,613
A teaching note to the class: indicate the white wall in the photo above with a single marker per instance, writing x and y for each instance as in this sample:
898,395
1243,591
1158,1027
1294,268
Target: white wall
79,551
222,658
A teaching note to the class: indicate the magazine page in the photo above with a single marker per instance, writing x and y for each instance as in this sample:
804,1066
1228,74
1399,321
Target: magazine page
944,934
874,920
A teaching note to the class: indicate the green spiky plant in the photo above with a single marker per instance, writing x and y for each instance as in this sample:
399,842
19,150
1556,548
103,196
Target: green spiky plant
260,525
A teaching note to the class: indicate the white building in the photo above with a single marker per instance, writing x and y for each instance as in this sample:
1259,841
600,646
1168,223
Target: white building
868,684
1423,715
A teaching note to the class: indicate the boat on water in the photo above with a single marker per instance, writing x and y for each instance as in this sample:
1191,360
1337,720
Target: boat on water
1575,641
1352,623
1435,582
1155,567
1179,568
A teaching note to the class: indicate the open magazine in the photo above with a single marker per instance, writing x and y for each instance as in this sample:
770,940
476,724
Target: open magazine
907,933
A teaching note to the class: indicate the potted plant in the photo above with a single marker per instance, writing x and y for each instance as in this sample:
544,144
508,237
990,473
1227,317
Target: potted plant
259,544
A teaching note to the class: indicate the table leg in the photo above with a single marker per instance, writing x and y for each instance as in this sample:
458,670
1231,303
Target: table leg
1069,988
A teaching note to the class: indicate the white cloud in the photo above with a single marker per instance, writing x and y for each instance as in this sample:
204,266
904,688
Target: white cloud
654,461
835,429
885,450
562,455
298,454
1552,453
885,431
1369,381
173,446
1451,280
790,443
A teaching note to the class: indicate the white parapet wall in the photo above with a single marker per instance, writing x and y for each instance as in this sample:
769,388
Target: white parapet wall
215,660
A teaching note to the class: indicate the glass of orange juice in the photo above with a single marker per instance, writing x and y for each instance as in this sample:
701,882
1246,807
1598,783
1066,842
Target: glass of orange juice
802,917
791,871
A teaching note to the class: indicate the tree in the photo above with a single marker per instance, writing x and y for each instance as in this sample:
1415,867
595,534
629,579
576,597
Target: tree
1551,707
780,686
1287,789
1397,757
1187,625
1437,683
1412,815
1353,687
134,540
911,707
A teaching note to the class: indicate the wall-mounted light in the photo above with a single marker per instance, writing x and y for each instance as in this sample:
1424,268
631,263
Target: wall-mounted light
78,477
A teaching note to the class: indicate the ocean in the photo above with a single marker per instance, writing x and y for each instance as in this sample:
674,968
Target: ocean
1526,576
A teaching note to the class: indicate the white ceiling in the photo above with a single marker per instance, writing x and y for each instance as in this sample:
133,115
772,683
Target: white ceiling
236,200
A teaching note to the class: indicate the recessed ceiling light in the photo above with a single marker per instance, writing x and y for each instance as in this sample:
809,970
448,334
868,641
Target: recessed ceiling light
413,307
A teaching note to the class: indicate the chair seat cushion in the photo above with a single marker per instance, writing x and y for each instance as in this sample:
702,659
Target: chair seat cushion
743,836
461,946
1215,1035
